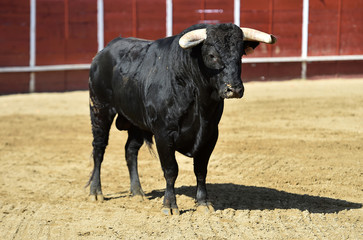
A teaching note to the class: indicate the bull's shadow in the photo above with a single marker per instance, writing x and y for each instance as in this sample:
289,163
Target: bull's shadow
241,197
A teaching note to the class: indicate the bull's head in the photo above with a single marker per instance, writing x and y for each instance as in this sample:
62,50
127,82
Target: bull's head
221,53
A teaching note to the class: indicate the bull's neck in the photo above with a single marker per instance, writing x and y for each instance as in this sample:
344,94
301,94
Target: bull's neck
189,69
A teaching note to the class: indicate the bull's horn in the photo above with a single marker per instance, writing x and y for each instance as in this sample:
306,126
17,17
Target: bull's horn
258,36
193,38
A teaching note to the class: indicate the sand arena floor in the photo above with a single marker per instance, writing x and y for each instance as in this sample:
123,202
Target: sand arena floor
287,165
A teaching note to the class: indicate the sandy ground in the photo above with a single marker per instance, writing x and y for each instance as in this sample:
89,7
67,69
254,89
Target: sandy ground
288,165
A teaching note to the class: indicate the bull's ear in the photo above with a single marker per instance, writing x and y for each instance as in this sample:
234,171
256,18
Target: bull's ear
249,47
193,38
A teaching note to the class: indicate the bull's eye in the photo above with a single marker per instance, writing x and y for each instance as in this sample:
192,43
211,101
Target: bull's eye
213,60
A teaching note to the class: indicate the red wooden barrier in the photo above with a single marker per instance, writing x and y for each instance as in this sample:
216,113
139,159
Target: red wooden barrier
14,32
66,33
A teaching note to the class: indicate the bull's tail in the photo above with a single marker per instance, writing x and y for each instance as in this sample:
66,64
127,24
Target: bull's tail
91,173
148,139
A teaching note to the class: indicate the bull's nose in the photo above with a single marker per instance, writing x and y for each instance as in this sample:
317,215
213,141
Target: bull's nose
234,92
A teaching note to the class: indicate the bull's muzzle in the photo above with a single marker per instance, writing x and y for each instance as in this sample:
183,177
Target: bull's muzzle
234,92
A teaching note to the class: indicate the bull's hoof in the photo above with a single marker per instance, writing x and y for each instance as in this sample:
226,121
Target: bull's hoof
96,198
205,208
137,192
170,211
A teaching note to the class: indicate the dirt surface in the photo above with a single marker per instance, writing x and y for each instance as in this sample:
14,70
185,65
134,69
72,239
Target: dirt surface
287,165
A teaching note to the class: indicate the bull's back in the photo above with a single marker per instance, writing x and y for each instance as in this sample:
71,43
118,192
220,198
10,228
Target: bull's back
116,59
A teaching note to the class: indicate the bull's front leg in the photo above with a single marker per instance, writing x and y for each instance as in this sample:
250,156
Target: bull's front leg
170,168
201,160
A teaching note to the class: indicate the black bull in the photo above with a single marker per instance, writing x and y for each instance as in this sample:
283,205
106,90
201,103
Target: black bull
157,88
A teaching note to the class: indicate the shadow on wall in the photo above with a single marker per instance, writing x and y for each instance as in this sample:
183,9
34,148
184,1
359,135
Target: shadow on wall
241,197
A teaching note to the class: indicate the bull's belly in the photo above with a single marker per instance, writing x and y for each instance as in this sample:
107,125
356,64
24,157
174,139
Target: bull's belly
188,143
124,122
130,111
186,150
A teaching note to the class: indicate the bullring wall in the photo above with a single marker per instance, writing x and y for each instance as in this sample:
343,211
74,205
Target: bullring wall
66,33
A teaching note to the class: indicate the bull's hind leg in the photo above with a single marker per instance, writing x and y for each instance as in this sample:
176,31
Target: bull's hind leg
101,118
133,144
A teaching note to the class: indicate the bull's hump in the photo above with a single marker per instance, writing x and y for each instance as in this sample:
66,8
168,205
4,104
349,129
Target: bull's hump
140,39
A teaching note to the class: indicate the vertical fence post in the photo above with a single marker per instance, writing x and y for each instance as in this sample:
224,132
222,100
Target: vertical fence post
237,12
100,25
169,18
32,44
305,37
